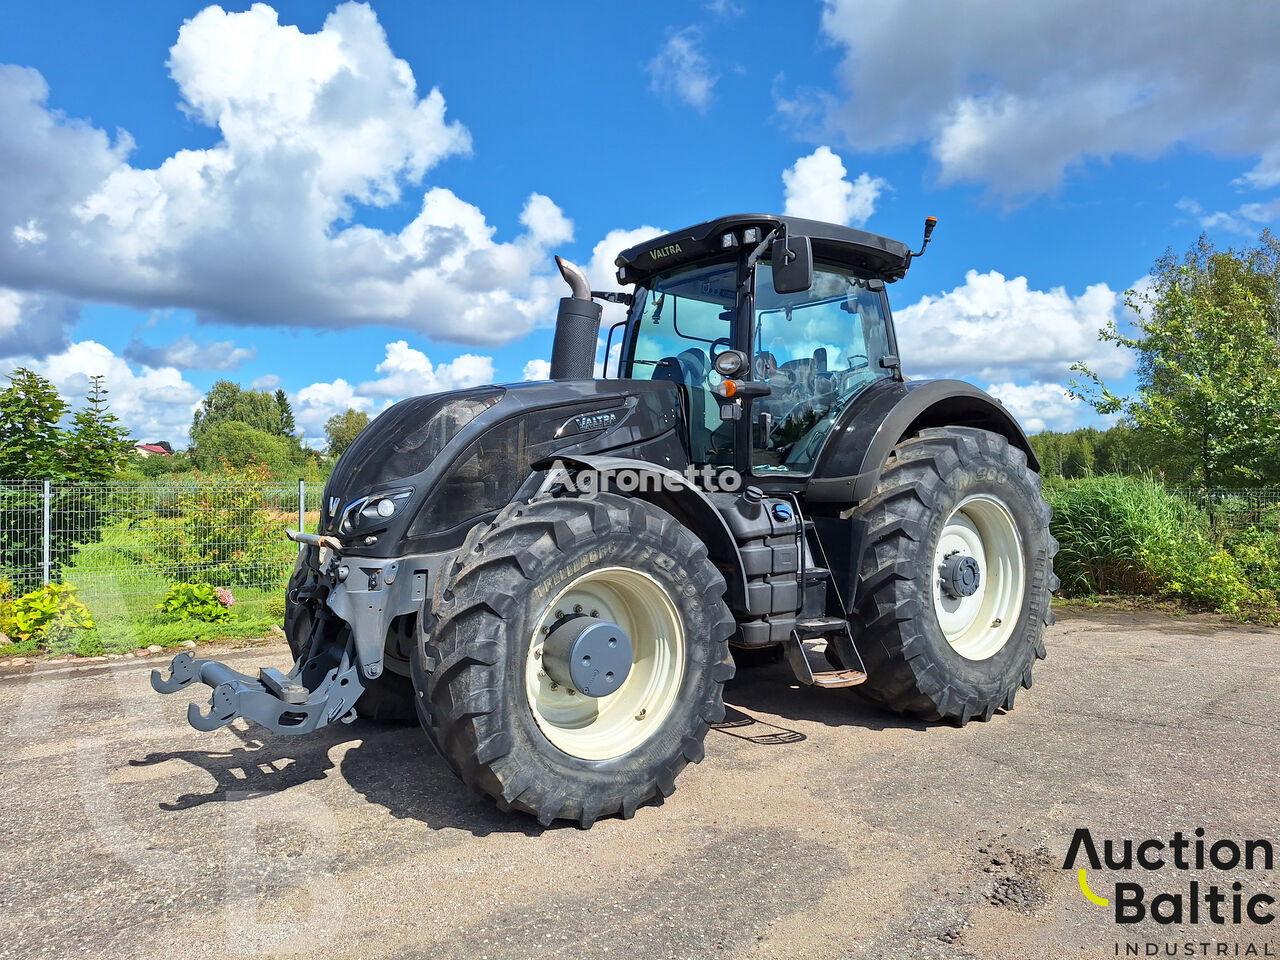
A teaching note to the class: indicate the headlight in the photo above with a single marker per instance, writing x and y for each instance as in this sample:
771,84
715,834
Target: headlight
376,506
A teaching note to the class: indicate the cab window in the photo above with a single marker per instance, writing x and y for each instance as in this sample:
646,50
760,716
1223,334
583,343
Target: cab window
685,319
817,350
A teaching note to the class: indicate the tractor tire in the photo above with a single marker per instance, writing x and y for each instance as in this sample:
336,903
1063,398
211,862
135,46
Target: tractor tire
386,699
504,726
956,577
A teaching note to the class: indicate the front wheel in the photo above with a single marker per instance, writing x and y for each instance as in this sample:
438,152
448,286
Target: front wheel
576,657
956,576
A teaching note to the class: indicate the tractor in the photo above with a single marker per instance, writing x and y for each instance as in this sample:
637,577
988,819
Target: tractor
555,577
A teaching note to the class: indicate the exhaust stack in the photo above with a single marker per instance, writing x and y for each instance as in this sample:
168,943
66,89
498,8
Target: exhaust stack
573,352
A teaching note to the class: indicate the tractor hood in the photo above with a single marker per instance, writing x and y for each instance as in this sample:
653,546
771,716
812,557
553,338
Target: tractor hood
427,468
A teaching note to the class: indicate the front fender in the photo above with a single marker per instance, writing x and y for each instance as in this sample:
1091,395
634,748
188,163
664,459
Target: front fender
680,498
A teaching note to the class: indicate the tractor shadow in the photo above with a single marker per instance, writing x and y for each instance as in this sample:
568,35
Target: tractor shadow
764,692
393,766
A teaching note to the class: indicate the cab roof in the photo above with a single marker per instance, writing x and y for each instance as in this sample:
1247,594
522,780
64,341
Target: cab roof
880,256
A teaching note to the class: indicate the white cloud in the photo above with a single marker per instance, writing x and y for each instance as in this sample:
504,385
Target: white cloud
313,405
816,187
405,372
681,70
187,354
536,370
1041,406
996,329
724,8
1247,219
152,403
1012,95
261,228
268,382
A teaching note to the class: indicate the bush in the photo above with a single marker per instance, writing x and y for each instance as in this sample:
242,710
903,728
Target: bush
219,533
1129,535
30,616
196,601
1121,535
276,608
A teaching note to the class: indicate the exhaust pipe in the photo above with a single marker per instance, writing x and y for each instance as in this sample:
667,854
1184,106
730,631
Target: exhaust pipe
573,352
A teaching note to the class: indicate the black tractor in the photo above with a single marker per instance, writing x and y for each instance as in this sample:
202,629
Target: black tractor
556,577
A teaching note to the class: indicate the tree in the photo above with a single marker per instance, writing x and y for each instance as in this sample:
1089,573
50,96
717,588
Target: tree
237,445
228,401
35,447
1207,338
98,444
287,426
343,428
31,441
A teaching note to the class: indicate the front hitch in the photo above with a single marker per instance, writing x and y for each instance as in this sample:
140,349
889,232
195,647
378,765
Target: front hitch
316,692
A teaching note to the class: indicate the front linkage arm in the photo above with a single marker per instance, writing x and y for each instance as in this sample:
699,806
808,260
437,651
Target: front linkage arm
364,595
322,687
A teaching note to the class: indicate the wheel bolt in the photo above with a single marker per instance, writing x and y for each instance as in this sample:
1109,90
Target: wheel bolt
559,614
640,715
577,608
537,654
595,613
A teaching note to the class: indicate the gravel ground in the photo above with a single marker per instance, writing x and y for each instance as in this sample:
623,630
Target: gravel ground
817,827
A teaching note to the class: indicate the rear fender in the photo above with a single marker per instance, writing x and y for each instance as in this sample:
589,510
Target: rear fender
859,447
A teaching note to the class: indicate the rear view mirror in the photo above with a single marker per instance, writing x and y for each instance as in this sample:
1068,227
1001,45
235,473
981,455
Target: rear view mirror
792,259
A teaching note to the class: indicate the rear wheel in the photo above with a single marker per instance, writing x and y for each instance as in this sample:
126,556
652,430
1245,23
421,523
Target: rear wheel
387,698
956,577
576,657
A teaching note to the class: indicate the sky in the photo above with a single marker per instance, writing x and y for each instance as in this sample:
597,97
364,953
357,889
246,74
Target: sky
360,202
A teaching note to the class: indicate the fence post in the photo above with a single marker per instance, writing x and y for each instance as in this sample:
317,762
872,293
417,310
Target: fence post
46,564
302,505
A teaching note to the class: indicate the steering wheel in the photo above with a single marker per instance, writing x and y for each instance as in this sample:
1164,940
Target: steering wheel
862,356
727,345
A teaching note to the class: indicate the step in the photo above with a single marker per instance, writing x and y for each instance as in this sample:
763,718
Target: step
818,626
813,574
804,658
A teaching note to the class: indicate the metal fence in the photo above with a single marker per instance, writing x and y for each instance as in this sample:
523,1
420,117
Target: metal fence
1230,510
125,544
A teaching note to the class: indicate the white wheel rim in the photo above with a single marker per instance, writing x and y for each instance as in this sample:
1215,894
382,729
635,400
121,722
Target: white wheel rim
978,626
601,728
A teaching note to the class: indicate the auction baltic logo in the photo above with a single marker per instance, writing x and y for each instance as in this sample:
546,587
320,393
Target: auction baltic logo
1181,900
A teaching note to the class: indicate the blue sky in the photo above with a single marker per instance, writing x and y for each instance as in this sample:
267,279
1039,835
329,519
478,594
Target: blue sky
360,202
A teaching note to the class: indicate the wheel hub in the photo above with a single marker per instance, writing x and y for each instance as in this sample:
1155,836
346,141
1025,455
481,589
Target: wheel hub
961,575
587,654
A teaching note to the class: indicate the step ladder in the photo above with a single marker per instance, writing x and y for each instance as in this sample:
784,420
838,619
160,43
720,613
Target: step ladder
806,648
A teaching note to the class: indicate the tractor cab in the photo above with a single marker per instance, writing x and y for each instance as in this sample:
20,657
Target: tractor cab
772,327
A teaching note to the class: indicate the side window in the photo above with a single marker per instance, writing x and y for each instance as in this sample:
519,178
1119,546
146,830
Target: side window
685,319
817,350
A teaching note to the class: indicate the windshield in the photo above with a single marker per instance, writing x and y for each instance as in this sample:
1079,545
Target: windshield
687,318
818,350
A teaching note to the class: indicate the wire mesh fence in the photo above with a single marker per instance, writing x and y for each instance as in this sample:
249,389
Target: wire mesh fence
123,545
1232,510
